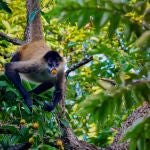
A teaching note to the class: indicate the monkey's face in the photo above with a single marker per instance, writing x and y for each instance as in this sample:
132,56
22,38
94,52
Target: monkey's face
54,61
53,66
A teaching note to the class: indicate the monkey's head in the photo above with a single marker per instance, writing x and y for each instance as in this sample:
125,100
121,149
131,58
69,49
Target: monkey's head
54,62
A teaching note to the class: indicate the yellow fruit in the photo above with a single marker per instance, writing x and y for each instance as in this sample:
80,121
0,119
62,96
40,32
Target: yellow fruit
54,71
35,125
22,121
59,143
31,140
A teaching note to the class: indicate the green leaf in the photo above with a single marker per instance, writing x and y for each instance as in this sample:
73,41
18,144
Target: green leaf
114,21
7,25
27,85
46,147
4,6
71,44
32,15
141,143
35,108
143,40
132,145
26,109
127,97
65,123
12,89
3,83
104,19
24,131
12,129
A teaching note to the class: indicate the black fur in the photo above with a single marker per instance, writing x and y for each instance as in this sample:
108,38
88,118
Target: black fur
13,75
16,57
53,56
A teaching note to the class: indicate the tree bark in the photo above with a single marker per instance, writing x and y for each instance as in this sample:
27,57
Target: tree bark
138,113
33,30
15,41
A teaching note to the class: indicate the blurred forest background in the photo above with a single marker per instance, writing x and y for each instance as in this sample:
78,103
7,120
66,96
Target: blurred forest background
101,94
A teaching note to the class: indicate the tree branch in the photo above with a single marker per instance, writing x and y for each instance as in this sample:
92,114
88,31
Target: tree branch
135,82
109,81
81,63
6,55
138,113
14,41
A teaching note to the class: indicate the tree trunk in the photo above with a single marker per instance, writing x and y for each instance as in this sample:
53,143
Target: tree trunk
33,30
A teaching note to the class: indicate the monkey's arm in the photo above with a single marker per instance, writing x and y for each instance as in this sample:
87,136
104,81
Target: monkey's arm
42,88
57,94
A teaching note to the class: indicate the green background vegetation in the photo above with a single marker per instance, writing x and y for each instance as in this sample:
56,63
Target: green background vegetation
116,34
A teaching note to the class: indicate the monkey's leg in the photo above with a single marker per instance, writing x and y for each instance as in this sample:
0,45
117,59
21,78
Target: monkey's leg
42,87
12,70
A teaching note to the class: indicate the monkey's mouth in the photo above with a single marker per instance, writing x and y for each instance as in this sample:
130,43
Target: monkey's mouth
54,71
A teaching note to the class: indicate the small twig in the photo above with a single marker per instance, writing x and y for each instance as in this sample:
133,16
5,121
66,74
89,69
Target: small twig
81,63
15,41
132,83
135,82
108,80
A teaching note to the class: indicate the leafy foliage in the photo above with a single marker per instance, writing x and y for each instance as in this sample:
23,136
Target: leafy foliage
39,125
101,94
4,6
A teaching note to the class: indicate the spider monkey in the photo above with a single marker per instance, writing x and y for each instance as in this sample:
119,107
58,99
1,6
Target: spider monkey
37,63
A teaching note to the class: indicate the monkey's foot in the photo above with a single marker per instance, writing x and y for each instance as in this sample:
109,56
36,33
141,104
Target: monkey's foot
48,106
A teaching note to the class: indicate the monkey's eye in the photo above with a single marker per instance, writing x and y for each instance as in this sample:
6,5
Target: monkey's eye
57,63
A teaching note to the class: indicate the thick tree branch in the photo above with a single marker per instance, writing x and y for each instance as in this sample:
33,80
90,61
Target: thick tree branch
14,41
138,113
81,63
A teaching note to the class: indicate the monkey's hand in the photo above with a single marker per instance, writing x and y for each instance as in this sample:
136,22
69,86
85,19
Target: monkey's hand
57,96
48,107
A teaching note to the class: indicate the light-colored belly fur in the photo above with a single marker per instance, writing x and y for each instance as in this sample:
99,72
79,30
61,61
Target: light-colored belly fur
39,77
